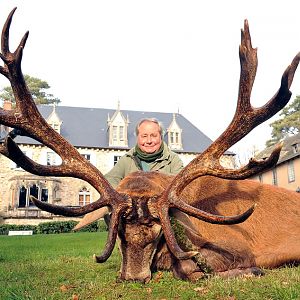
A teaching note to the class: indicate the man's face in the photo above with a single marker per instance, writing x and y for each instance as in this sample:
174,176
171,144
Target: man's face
149,139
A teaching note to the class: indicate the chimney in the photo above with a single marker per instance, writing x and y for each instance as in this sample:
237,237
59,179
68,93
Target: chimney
7,105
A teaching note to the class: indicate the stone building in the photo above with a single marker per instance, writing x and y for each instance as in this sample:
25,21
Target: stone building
102,136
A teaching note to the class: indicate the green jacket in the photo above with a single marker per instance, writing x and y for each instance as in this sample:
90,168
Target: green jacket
168,163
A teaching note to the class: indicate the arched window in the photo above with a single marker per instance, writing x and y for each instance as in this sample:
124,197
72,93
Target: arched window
44,195
22,196
84,197
33,190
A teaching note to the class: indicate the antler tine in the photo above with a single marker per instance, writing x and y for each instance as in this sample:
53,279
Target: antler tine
28,120
245,119
5,33
112,236
70,211
117,211
292,69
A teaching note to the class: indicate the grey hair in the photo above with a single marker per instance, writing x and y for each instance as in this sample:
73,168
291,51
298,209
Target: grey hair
153,120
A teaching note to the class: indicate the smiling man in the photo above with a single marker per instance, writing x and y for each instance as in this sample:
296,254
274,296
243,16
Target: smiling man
149,154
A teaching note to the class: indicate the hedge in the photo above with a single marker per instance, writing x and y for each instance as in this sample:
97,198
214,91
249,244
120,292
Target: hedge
54,227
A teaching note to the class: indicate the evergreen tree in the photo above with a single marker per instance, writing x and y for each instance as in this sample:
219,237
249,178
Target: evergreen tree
37,87
288,124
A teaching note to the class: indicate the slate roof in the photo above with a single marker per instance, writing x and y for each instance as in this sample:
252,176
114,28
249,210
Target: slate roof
87,127
287,151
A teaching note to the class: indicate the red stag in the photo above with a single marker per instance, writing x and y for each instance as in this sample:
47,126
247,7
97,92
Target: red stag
201,195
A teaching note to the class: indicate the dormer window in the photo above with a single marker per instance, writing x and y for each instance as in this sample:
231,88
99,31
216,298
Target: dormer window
56,127
117,129
174,138
54,120
174,135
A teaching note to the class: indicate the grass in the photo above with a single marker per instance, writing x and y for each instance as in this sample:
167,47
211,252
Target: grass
61,267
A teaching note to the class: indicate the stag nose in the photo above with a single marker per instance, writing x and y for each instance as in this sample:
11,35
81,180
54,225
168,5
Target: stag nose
135,278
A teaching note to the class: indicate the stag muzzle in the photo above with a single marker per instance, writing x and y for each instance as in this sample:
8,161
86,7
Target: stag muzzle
138,244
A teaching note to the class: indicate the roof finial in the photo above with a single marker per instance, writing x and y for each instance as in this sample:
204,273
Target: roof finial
118,107
54,107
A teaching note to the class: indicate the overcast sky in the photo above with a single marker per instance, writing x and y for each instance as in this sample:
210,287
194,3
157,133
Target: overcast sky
158,55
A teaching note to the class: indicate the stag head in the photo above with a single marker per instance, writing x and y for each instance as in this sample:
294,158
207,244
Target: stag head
141,205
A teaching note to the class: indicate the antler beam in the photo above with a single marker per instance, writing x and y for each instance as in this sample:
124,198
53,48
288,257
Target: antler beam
245,119
28,120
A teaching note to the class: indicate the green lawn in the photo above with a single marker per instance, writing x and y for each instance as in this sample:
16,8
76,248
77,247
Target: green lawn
61,267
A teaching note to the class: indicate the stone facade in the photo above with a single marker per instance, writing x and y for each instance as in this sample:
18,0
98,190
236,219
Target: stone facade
18,184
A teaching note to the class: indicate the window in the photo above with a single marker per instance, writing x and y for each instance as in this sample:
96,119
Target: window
291,171
117,127
52,159
44,195
87,156
176,137
295,148
274,177
56,127
118,133
172,137
116,158
56,192
22,197
115,133
84,197
121,133
32,190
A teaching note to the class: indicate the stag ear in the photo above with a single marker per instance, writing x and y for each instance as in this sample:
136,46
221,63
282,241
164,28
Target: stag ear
91,217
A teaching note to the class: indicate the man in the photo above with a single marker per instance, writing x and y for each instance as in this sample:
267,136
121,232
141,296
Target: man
149,154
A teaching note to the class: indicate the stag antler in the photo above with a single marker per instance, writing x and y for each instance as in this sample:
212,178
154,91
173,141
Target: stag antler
29,122
245,119
27,119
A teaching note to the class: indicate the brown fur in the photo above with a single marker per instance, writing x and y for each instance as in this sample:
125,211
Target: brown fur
268,239
271,235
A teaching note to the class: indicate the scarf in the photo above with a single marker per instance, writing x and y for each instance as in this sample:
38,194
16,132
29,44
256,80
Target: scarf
148,157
